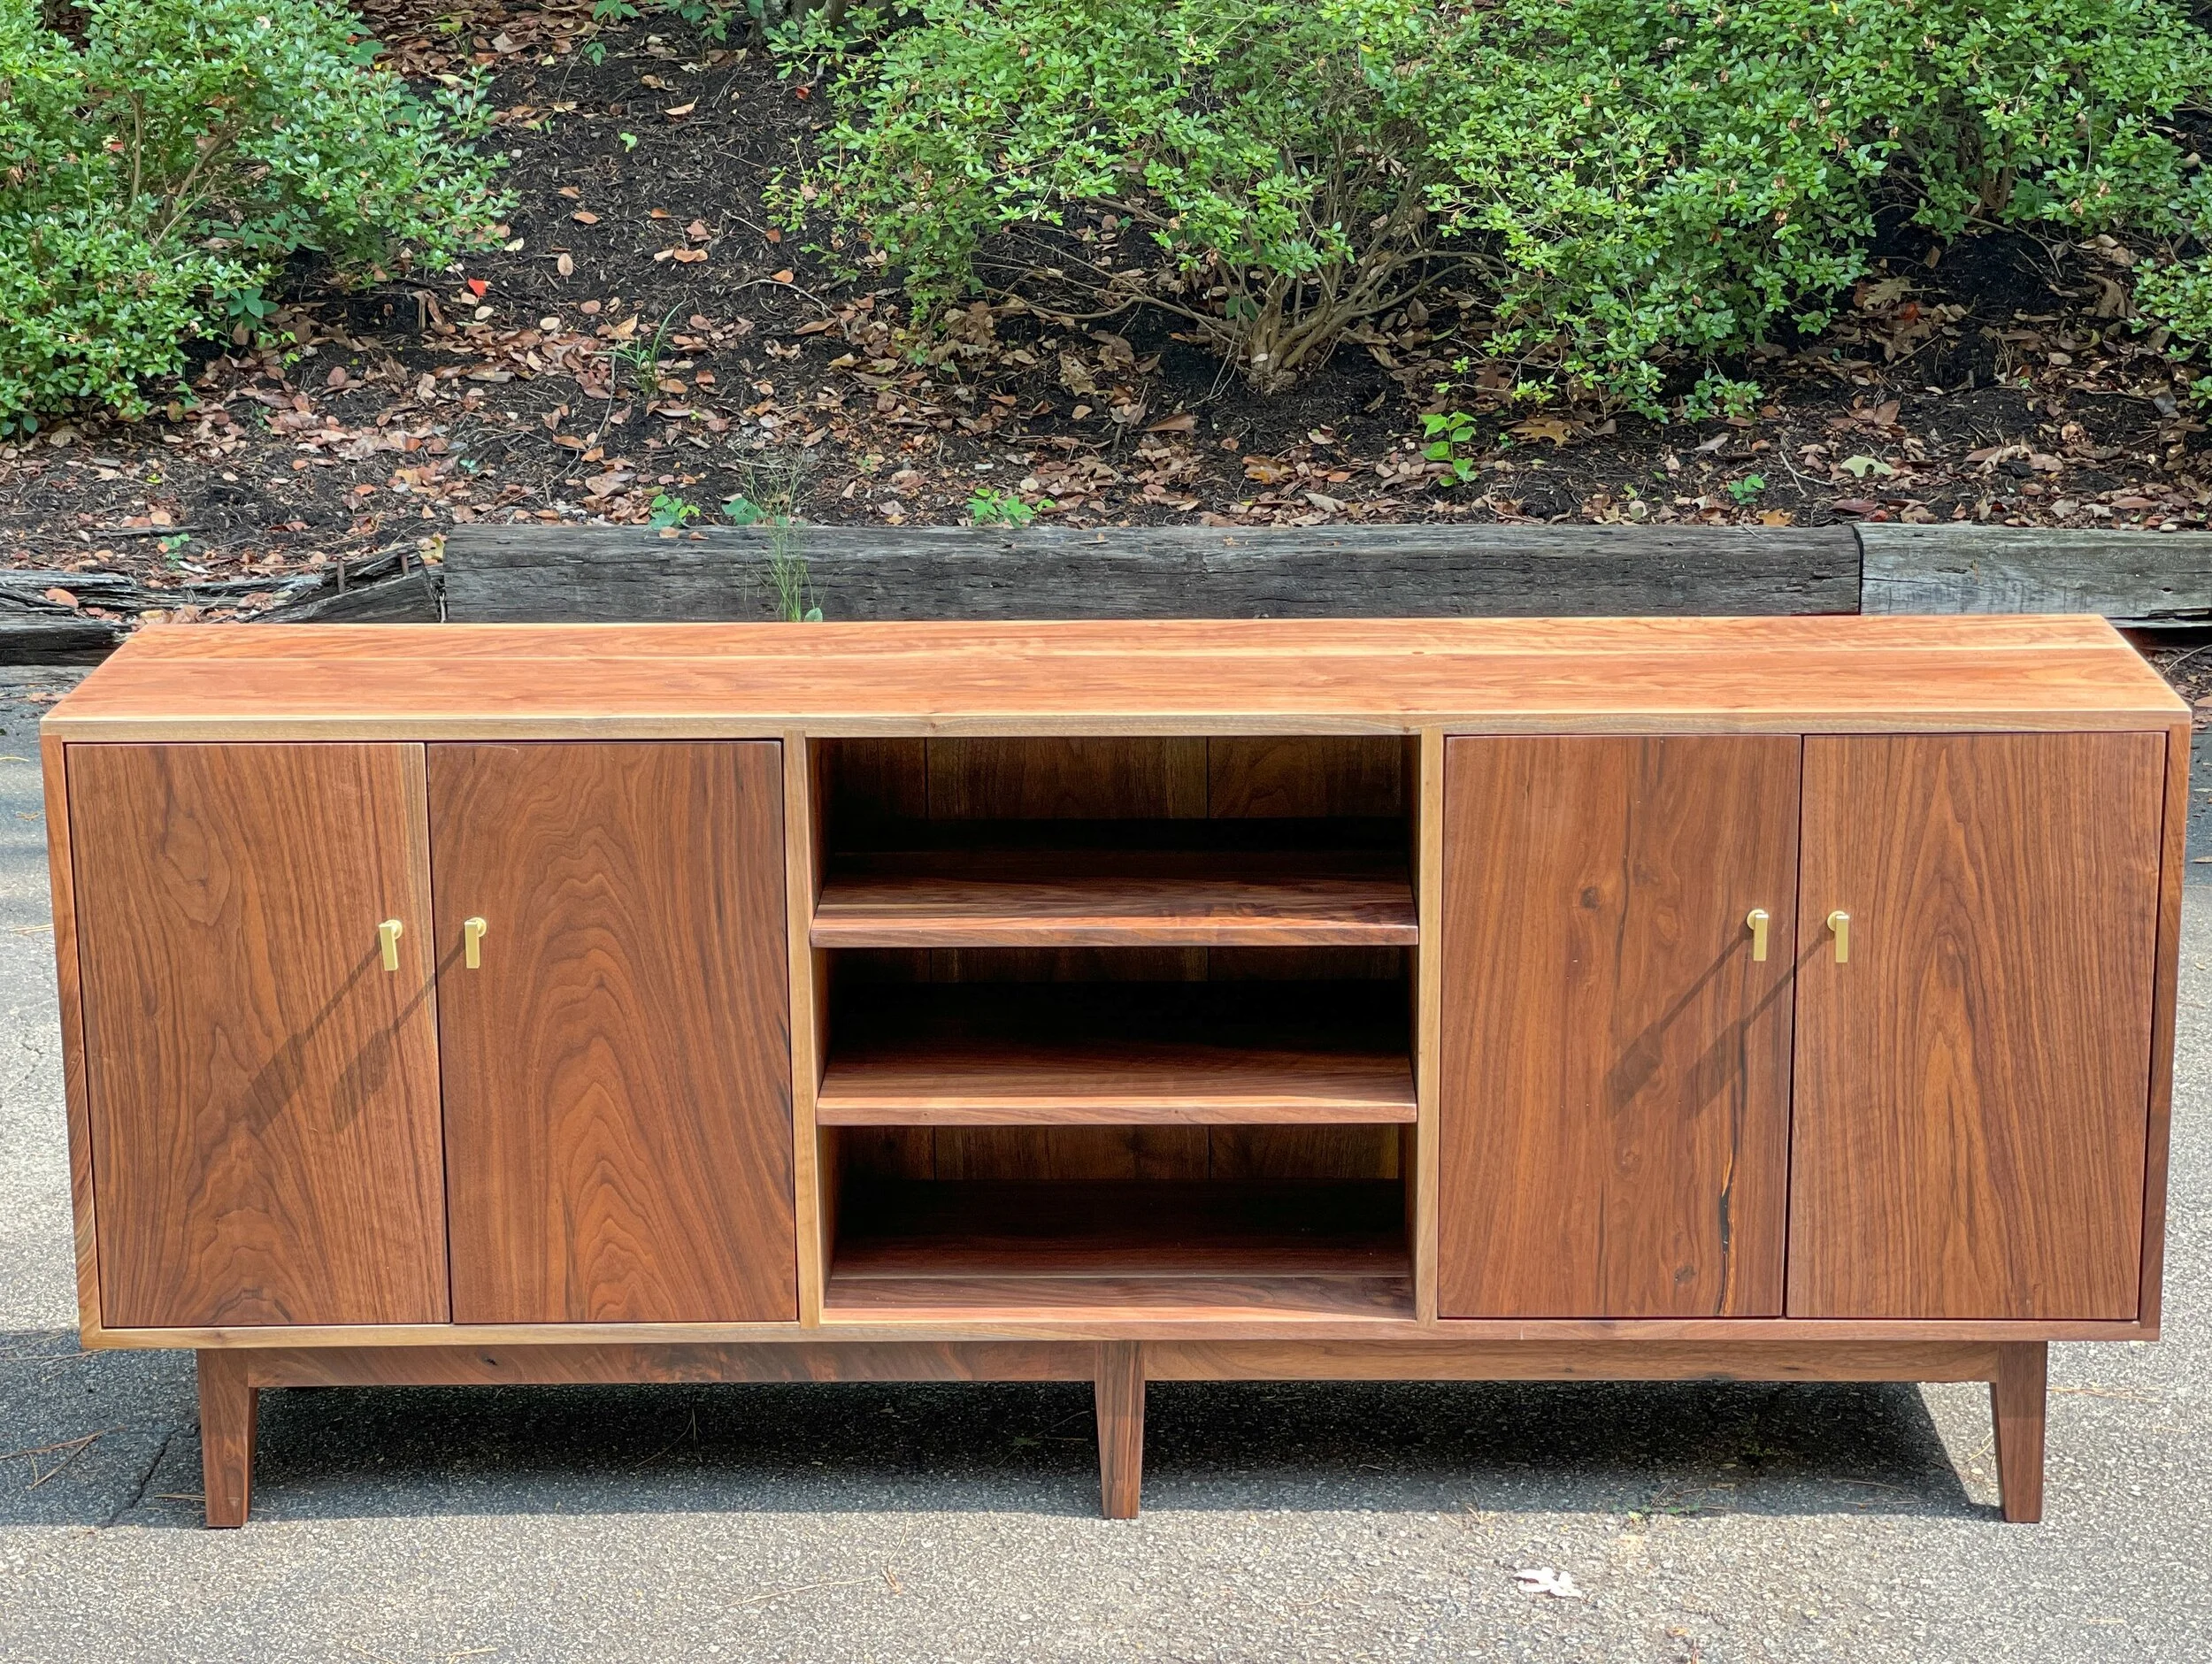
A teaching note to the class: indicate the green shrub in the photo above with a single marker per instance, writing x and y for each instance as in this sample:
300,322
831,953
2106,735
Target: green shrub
153,179
1626,184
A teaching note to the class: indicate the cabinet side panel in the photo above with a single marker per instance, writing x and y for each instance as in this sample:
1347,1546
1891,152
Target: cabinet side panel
2173,871
264,1094
62,891
619,1094
1614,1061
1973,1085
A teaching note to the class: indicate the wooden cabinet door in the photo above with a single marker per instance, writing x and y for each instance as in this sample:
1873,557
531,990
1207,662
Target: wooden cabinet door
1615,1062
264,1094
1972,1088
618,1069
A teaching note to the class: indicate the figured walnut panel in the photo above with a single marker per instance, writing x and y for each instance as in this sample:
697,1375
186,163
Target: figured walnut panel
618,1073
1615,1064
1972,1089
264,1094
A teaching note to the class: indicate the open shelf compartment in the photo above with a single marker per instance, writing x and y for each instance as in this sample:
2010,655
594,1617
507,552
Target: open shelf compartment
1251,1251
1115,1028
1122,1054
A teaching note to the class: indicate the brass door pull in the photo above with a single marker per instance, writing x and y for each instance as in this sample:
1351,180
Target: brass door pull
1840,924
1758,920
472,942
387,936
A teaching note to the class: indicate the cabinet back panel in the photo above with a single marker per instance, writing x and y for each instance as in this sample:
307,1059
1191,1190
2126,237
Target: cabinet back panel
618,1072
264,1094
1972,1088
1615,1064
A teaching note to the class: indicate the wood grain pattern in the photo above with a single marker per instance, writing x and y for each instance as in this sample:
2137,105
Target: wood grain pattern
1040,778
2173,868
1288,777
963,1083
2017,1400
1371,1358
1014,1231
264,1095
1736,675
1102,1308
1111,899
809,992
1615,1071
1175,1250
1972,1089
618,1090
1426,1192
1118,1398
228,1417
1006,1324
797,1361
61,878
1376,1359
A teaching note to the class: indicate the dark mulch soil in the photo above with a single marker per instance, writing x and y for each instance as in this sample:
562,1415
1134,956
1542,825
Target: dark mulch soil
645,334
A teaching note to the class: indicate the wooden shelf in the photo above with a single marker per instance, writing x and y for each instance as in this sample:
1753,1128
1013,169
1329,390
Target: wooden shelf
1051,898
1091,1053
948,1251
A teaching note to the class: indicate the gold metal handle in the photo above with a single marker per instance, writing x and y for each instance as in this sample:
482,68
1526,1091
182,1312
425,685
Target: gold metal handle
1840,924
472,942
1758,920
387,935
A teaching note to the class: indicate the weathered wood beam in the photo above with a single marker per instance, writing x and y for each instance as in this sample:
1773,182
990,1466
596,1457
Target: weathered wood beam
2130,577
522,573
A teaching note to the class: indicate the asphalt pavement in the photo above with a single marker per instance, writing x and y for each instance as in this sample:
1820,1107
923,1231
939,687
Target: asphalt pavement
834,1522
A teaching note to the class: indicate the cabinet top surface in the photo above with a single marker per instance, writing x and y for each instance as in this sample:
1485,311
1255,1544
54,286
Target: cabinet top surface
540,682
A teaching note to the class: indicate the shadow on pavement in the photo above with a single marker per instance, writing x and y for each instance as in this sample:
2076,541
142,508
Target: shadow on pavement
346,1453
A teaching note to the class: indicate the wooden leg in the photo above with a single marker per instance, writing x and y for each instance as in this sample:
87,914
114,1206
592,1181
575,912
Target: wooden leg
2016,1399
1119,1387
228,1404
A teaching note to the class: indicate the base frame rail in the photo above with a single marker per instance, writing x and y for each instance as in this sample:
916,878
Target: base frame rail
231,1380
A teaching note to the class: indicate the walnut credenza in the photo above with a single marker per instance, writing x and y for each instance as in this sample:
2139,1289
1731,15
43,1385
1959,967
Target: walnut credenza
1764,998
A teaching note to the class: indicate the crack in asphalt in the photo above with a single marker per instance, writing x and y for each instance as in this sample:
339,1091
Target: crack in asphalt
137,1497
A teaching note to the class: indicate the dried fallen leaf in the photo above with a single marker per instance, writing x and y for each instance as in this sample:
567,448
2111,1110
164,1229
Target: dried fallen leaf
1182,422
478,287
687,256
785,276
682,111
1075,375
565,266
585,216
1551,427
1267,471
62,598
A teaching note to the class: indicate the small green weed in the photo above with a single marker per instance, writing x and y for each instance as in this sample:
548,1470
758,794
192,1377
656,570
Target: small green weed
1446,435
769,499
672,511
991,506
1746,490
